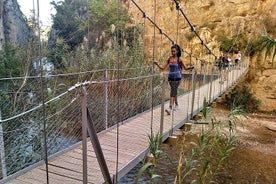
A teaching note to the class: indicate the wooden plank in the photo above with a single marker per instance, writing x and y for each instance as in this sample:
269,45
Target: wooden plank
35,176
59,173
62,168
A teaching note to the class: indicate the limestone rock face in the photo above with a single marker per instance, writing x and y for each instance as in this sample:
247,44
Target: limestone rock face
211,18
13,26
265,89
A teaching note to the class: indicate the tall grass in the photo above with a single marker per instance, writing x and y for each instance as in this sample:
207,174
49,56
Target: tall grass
209,151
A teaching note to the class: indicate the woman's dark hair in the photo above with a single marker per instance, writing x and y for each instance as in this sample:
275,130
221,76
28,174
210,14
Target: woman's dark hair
177,47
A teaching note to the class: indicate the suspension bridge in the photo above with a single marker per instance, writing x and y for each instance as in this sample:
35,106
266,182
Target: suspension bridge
123,145
48,142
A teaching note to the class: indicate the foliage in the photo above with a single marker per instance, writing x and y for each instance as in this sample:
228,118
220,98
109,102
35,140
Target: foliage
243,98
105,17
225,43
204,109
268,44
67,30
69,20
17,61
154,144
209,152
262,43
103,25
190,36
154,149
11,64
127,56
21,135
232,118
236,42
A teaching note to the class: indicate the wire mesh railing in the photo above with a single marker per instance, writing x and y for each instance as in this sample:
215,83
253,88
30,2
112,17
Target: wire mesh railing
113,96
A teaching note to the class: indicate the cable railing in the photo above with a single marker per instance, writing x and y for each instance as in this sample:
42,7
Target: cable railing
22,128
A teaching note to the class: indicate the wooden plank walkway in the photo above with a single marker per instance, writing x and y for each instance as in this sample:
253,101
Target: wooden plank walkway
133,142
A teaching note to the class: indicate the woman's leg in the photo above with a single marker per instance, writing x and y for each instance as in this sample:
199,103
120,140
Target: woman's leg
173,96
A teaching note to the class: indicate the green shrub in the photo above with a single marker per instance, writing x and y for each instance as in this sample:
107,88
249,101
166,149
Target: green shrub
243,98
236,42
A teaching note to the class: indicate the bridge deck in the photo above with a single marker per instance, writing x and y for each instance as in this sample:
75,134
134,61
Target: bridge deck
133,143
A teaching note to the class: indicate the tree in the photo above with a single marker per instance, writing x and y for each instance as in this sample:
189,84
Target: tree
69,21
73,21
10,62
104,17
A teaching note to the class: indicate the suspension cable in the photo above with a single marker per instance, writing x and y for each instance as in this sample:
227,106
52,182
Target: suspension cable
151,71
162,32
43,96
177,27
119,94
193,29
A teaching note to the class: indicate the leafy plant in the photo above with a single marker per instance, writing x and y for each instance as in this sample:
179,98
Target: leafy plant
69,20
268,44
149,167
209,152
236,42
242,98
154,144
106,14
205,110
11,64
154,149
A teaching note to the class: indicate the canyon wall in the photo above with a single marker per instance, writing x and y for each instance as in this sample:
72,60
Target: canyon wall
13,25
213,19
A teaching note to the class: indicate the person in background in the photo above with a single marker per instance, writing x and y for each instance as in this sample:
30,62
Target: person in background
229,62
237,58
176,65
222,65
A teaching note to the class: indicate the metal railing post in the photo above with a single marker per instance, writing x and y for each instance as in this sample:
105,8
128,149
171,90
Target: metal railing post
2,150
84,135
162,105
211,84
204,74
97,148
193,94
106,98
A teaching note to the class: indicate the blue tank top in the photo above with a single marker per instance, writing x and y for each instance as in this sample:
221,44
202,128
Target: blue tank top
174,72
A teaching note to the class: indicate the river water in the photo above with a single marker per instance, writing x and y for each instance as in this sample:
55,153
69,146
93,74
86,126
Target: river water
166,168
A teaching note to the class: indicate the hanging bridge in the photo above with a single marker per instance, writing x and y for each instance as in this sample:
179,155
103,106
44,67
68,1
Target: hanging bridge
118,108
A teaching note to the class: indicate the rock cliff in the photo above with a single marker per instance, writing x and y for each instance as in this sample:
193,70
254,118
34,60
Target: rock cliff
13,25
213,19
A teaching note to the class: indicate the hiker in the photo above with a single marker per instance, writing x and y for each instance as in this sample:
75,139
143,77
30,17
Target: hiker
223,65
176,65
237,58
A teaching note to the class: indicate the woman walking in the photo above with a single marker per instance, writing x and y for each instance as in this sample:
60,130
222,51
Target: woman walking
176,65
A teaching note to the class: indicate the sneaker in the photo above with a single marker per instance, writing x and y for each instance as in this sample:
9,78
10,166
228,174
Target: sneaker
176,107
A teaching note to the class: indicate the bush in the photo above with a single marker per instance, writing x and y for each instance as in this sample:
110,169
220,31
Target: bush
243,98
236,42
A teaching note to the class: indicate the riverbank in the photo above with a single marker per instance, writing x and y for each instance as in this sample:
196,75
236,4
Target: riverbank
252,161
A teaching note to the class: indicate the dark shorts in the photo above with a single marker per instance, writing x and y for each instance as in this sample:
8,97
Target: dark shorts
174,83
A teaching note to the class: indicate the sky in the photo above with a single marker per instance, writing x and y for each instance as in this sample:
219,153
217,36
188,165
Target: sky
45,9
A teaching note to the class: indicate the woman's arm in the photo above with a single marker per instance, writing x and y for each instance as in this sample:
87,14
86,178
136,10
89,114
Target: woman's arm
185,66
164,65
